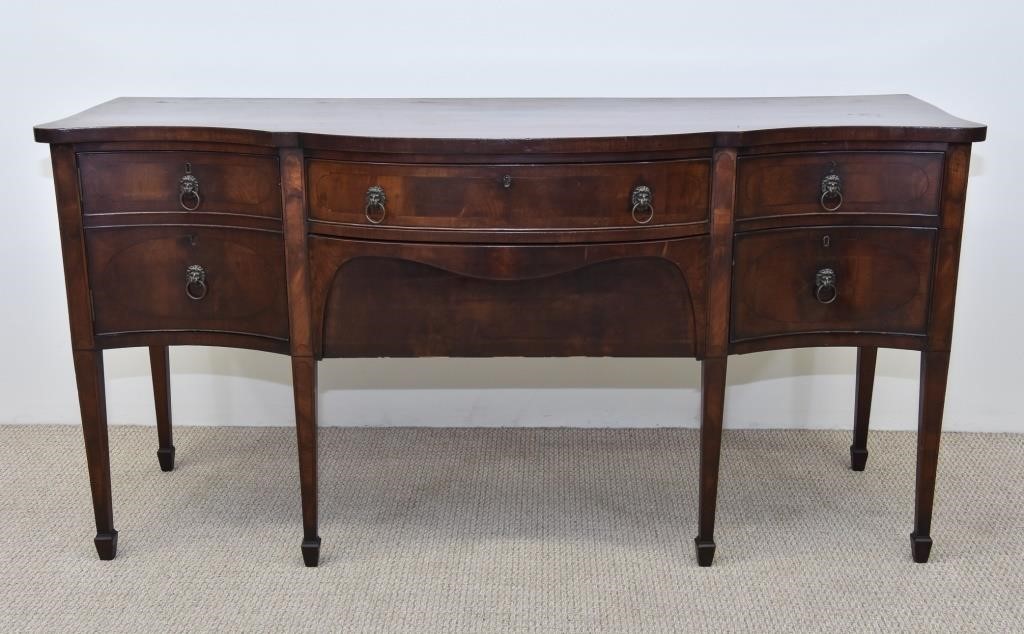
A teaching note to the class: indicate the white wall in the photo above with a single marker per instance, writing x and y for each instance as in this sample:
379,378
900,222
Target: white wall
59,58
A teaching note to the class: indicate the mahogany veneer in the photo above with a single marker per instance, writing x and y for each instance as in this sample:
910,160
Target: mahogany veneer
509,227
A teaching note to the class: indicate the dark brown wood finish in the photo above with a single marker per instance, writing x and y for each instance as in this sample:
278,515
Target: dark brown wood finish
866,357
935,358
407,300
144,338
713,367
293,178
513,126
903,183
881,281
508,236
160,366
304,384
138,280
148,182
523,197
92,400
72,244
546,262
88,360
712,411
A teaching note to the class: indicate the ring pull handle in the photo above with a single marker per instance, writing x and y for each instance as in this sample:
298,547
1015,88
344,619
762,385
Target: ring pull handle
188,190
825,290
375,199
195,282
643,204
831,191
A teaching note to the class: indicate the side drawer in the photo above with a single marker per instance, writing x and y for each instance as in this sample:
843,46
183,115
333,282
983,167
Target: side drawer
150,279
511,197
207,182
831,279
837,183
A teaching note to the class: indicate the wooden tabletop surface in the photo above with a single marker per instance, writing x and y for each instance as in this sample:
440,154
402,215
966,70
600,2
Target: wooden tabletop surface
510,119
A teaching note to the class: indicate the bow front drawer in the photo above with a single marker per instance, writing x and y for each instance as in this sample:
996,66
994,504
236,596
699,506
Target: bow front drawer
831,279
153,279
510,197
838,184
202,182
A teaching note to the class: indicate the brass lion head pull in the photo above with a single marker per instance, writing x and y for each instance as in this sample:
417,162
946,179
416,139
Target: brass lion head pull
643,204
831,190
375,209
195,282
825,290
188,190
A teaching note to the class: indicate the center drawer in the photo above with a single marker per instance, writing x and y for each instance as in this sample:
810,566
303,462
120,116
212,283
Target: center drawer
510,197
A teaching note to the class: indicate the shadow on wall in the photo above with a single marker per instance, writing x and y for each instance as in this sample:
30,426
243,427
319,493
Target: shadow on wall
515,373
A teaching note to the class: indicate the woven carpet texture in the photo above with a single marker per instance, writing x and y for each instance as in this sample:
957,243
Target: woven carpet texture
488,530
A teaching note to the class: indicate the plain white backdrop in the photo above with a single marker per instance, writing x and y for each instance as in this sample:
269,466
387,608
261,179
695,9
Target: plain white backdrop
59,58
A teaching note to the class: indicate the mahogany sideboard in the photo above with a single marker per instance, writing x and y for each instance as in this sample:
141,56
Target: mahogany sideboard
511,227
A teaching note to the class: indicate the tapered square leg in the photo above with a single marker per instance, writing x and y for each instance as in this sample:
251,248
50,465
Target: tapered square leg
160,367
712,399
934,369
311,552
705,552
93,405
304,383
920,548
165,456
106,545
866,358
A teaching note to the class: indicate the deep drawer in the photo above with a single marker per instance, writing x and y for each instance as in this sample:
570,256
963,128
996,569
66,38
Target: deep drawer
148,279
393,299
206,182
831,279
838,183
515,197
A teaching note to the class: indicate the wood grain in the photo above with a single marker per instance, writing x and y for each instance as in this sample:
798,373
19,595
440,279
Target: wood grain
159,362
517,125
883,277
143,181
866,357
137,276
904,183
548,261
403,300
564,197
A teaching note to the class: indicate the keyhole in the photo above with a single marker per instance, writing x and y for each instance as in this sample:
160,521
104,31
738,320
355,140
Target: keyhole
506,181
826,242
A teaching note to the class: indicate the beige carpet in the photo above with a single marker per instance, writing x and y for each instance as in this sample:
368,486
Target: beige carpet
438,530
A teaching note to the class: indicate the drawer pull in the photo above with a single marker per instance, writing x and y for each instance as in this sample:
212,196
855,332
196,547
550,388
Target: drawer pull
825,286
375,199
195,282
643,205
831,191
188,190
